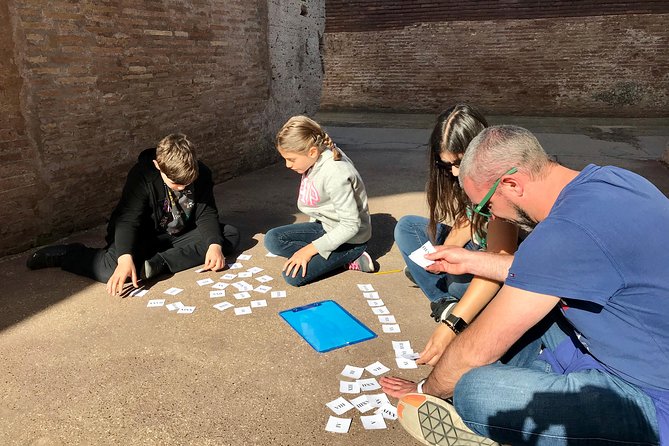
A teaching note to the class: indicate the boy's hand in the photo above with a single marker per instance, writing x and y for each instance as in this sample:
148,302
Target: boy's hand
124,269
436,345
214,259
299,259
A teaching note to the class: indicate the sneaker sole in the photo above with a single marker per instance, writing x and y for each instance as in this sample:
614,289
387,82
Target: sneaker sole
366,263
433,421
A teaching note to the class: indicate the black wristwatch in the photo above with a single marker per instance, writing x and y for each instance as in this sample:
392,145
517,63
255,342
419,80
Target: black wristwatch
455,323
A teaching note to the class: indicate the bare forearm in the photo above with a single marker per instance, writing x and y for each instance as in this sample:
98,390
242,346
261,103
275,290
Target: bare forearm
489,265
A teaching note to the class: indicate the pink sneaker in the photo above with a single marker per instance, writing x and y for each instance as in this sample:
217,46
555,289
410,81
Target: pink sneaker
363,263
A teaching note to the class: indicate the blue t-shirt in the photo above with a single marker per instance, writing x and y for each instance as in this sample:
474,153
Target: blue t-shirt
604,249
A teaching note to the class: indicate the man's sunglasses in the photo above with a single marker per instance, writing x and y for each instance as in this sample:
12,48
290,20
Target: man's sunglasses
482,208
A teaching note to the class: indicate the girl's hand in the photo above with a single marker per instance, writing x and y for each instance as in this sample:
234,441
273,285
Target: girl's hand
299,260
436,345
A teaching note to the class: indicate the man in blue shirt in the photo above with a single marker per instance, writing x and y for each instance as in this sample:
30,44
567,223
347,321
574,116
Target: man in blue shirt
594,270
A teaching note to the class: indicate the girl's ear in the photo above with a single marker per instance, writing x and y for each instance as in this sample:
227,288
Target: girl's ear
313,152
155,163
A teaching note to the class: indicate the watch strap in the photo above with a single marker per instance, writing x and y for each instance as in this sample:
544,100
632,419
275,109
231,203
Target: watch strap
455,323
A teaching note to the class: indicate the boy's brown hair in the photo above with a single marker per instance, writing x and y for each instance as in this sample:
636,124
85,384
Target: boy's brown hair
176,158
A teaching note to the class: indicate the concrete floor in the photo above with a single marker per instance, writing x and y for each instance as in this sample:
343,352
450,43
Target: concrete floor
80,367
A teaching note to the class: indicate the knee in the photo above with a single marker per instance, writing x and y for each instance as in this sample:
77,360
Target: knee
404,226
296,281
472,395
271,241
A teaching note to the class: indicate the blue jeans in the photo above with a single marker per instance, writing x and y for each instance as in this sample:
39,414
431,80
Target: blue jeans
411,234
528,404
286,240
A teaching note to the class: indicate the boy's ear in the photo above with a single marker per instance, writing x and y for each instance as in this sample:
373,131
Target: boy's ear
155,163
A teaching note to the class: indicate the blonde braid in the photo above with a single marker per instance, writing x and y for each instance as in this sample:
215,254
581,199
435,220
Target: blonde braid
327,142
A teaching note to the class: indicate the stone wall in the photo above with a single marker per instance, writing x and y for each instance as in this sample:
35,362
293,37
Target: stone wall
87,85
558,58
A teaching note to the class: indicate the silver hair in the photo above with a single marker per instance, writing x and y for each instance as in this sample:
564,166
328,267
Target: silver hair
499,148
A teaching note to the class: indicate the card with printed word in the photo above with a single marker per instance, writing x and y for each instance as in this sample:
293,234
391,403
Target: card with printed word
278,294
263,279
217,293
405,363
223,305
228,276
258,303
338,425
368,384
339,406
155,303
380,310
387,319
352,372
243,286
174,306
262,289
244,274
362,403
412,356
375,303
235,265
349,387
373,421
242,310
186,310
203,282
244,257
365,287
391,328
388,411
377,369
402,345
254,270
371,295
220,285
139,293
242,295
418,256
378,400
173,291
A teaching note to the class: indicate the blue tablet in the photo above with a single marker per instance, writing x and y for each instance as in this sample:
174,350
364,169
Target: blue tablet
326,325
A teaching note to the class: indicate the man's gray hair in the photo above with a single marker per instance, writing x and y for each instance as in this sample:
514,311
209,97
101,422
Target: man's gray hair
499,148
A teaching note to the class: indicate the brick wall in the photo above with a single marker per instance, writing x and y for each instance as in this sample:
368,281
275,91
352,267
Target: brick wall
561,59
87,85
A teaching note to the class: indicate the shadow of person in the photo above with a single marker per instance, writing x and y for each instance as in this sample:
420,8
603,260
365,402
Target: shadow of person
383,228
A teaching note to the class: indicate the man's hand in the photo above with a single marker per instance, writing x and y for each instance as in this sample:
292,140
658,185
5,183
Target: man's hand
124,269
214,259
449,259
299,260
436,345
397,387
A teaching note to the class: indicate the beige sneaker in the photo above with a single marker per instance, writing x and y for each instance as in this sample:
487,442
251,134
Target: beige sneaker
434,421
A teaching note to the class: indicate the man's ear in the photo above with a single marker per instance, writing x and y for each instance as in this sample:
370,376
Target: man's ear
512,185
155,163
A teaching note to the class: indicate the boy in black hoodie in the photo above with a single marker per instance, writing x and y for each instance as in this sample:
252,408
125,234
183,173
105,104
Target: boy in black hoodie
166,220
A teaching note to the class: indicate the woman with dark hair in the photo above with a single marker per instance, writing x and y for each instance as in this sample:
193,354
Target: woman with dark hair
454,299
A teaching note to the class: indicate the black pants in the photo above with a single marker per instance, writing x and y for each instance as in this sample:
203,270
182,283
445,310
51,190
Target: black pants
180,252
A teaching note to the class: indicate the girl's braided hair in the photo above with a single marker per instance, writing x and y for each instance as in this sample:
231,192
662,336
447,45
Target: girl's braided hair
300,133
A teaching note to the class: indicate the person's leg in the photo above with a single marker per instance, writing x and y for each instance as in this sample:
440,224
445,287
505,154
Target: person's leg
319,266
411,234
96,263
518,405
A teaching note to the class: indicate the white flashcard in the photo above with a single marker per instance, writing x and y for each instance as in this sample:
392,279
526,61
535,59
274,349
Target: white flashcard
349,387
371,295
380,310
244,257
375,421
391,328
378,400
339,406
171,307
228,276
242,310
418,256
139,293
405,363
220,285
235,265
387,319
201,270
365,287
203,282
377,369
173,291
278,293
263,279
411,356
368,384
217,293
223,305
338,425
375,303
156,303
254,270
242,295
258,303
403,353
186,310
388,411
269,254
243,286
262,289
361,403
244,275
402,345
352,372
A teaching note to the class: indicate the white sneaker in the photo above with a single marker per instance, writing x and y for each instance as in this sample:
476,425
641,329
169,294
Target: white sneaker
363,263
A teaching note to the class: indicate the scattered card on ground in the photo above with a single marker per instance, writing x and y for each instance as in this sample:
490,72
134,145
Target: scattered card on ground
387,319
155,303
402,345
223,305
411,356
220,285
174,306
278,293
405,363
368,384
243,286
228,276
173,291
201,270
349,387
203,282
139,293
388,411
269,254
186,310
418,256
362,403
377,369
245,274
340,405
365,287
338,425
375,303
378,399
262,289
242,295
235,265
217,293
391,328
254,270
258,303
380,310
242,310
352,372
373,421
244,257
263,279
371,295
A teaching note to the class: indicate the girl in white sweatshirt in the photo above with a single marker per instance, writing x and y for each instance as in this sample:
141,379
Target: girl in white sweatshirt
333,195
